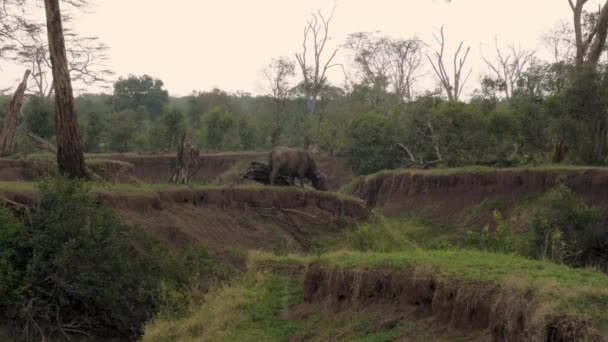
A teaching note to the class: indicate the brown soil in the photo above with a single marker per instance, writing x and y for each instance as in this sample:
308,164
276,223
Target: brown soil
443,197
486,311
251,218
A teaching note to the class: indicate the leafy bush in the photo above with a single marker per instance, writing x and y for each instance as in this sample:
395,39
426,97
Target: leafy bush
500,240
370,142
74,268
12,246
566,230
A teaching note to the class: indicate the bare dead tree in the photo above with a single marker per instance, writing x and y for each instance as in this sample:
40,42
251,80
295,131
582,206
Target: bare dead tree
187,162
86,57
559,40
316,33
453,90
406,59
9,131
278,75
589,48
509,66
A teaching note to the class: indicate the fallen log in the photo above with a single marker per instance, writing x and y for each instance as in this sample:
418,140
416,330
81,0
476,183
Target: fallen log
260,173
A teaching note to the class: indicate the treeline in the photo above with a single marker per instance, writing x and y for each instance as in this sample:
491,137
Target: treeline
556,113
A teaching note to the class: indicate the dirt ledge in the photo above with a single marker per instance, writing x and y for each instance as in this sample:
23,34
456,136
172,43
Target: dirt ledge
496,312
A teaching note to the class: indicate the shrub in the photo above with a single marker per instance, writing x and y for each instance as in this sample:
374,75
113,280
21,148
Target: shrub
500,240
74,268
566,230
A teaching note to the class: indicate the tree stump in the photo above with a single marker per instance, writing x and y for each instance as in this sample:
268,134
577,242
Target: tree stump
260,173
187,162
9,132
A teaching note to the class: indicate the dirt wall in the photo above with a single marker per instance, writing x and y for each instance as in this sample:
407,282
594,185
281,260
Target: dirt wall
443,197
496,312
274,219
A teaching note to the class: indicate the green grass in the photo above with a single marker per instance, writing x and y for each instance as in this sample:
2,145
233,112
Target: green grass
389,234
576,292
246,311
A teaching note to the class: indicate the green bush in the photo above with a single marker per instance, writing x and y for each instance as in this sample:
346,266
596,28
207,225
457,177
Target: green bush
500,240
566,230
72,266
370,144
13,245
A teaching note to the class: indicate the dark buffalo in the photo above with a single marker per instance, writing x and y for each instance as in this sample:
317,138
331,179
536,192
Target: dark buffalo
295,164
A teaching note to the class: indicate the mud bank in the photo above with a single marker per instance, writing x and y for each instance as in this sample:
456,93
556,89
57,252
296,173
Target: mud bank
443,196
484,310
124,168
250,218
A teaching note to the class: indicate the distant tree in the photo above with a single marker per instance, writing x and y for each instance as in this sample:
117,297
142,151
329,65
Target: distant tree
94,132
385,62
509,66
246,135
144,91
453,86
218,122
122,131
169,130
278,75
38,116
314,72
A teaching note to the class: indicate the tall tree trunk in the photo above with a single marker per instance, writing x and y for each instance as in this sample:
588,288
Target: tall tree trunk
8,133
70,156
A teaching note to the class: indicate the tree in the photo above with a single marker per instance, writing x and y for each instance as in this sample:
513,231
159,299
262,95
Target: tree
38,116
218,122
70,156
314,76
94,132
454,89
370,142
509,66
86,57
559,40
278,75
590,47
385,62
143,91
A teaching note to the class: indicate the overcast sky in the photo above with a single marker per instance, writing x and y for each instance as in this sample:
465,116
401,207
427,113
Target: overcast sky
202,44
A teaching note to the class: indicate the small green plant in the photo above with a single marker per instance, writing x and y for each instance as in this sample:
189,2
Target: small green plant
499,241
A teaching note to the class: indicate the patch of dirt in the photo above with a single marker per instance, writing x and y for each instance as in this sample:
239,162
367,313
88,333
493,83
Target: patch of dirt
442,198
488,311
282,220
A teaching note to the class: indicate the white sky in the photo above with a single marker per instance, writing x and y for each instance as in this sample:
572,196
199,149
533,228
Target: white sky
201,44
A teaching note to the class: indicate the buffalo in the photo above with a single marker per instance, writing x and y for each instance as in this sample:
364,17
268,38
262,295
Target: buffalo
295,164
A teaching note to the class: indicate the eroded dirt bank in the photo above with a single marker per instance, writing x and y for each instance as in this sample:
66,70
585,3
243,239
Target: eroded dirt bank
442,196
251,218
124,168
483,311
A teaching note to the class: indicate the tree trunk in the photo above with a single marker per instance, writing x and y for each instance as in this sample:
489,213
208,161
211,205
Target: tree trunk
187,162
260,173
8,133
44,145
70,157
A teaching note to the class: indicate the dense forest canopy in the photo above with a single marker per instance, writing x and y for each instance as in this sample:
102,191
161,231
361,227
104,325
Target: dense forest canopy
523,110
